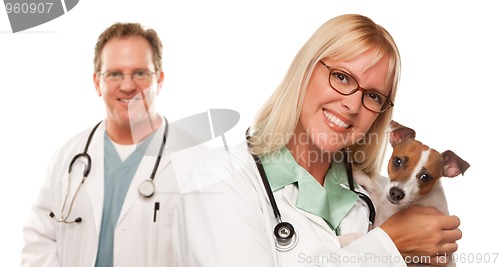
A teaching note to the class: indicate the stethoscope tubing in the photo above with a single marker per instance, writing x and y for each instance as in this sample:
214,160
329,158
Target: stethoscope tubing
286,243
363,196
86,171
267,186
85,154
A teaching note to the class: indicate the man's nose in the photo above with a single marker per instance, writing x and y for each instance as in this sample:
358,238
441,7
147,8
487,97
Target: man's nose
127,84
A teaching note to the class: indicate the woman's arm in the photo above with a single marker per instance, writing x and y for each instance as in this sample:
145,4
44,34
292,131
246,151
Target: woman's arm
229,223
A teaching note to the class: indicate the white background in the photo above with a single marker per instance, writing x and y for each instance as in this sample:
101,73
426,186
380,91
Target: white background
232,54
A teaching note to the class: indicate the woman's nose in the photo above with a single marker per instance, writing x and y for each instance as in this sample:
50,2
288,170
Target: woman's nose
352,103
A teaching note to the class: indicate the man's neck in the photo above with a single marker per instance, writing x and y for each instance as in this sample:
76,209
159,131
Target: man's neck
127,134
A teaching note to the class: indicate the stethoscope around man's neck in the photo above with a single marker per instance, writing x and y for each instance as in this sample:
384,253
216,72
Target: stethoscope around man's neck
146,188
284,232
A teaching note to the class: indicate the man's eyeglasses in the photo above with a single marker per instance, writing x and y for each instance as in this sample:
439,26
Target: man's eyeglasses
345,85
118,76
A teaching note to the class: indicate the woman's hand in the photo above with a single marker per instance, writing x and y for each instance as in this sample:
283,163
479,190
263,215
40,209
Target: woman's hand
424,233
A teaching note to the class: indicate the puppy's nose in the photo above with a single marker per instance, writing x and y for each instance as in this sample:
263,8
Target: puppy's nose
396,193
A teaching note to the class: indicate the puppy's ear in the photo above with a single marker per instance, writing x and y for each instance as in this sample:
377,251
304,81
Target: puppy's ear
400,133
453,165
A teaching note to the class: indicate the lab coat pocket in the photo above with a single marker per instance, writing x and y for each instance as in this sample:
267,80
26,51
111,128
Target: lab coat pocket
160,232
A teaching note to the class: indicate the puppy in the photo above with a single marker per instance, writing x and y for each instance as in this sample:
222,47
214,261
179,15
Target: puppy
414,172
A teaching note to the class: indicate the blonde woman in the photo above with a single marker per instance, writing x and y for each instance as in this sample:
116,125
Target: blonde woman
283,197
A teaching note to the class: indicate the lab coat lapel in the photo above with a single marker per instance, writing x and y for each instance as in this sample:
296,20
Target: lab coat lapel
290,193
94,184
144,172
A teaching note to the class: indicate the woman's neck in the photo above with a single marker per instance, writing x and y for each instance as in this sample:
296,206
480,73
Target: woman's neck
312,159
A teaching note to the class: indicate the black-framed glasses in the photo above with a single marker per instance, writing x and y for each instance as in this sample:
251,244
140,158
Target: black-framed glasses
137,75
345,84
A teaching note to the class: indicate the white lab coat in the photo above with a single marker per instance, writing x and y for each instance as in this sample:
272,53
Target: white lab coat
228,221
138,240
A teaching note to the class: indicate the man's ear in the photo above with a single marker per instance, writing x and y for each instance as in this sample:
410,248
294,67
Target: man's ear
97,84
160,78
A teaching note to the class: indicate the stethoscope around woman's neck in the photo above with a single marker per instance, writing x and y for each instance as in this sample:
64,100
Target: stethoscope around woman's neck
284,232
145,189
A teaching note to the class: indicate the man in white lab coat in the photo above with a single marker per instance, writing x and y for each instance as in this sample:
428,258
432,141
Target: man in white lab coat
110,191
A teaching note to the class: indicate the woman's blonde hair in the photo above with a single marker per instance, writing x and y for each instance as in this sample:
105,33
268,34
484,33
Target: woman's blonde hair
343,38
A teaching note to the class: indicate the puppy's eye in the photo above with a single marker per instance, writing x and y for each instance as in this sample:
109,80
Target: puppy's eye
397,162
425,178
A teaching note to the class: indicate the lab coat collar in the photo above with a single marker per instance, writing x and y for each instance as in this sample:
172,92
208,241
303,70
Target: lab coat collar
145,168
95,178
331,202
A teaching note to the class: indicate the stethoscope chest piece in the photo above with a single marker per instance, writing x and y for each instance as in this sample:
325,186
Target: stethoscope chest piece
146,188
285,236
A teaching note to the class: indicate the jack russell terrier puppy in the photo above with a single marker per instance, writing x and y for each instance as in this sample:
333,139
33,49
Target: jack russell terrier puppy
414,172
